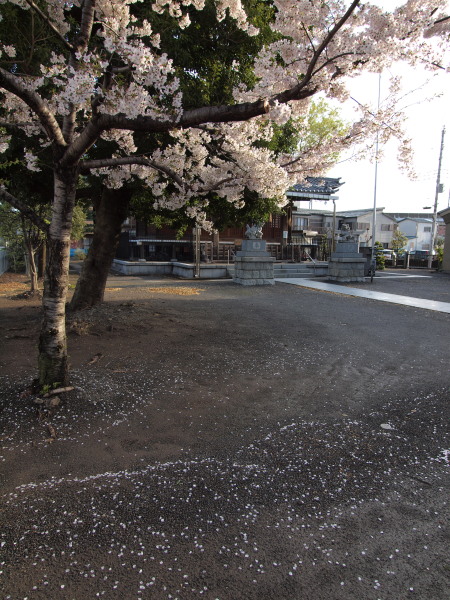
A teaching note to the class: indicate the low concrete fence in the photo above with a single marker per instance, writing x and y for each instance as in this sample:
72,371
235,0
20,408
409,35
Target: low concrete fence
4,264
174,268
208,270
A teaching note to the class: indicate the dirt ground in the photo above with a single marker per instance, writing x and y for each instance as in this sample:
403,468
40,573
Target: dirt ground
229,443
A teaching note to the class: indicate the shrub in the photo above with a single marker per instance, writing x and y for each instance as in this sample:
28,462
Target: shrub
79,254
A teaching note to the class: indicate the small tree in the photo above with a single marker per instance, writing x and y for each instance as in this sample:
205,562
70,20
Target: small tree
399,241
10,233
78,223
379,256
439,247
23,239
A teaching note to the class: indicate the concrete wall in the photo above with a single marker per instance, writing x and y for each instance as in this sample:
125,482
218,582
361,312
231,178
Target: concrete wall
176,269
445,214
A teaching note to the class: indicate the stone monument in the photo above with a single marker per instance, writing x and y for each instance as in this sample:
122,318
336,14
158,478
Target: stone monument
253,264
346,264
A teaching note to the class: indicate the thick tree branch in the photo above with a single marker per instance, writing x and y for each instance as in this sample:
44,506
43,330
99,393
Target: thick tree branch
330,61
24,210
88,165
199,116
10,82
53,27
122,70
217,185
18,127
207,114
190,118
87,21
81,44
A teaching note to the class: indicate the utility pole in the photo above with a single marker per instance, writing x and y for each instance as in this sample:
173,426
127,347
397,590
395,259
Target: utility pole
197,234
436,197
333,239
374,214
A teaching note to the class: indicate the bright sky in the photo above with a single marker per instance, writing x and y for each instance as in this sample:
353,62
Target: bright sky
425,120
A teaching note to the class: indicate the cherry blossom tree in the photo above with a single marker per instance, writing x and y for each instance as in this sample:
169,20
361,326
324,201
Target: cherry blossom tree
298,138
107,82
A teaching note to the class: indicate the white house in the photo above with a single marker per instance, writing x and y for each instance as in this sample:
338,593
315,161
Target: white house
418,231
361,221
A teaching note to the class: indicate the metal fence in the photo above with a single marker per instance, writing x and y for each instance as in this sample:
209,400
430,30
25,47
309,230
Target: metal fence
416,262
4,265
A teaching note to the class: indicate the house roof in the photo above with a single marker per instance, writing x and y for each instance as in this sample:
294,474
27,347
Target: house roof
317,185
411,215
359,213
418,220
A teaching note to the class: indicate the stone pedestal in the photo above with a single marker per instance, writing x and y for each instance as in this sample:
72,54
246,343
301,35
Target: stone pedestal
346,264
253,264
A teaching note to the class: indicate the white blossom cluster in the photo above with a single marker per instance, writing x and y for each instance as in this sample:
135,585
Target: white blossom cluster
372,38
237,166
233,7
31,161
10,51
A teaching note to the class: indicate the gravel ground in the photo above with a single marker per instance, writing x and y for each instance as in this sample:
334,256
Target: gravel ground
230,443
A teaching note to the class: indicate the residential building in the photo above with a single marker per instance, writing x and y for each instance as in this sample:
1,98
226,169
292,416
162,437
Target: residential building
440,230
418,231
361,221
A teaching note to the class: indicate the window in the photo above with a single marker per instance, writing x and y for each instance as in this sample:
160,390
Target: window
276,221
387,227
362,225
299,223
352,225
427,229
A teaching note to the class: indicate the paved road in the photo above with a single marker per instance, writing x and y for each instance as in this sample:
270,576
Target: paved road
389,278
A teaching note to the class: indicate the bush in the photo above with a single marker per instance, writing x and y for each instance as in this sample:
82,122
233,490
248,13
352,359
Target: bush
79,254
16,257
379,256
440,257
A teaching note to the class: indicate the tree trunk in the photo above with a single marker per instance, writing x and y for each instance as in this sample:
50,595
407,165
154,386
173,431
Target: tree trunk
42,259
34,287
53,365
31,256
110,212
